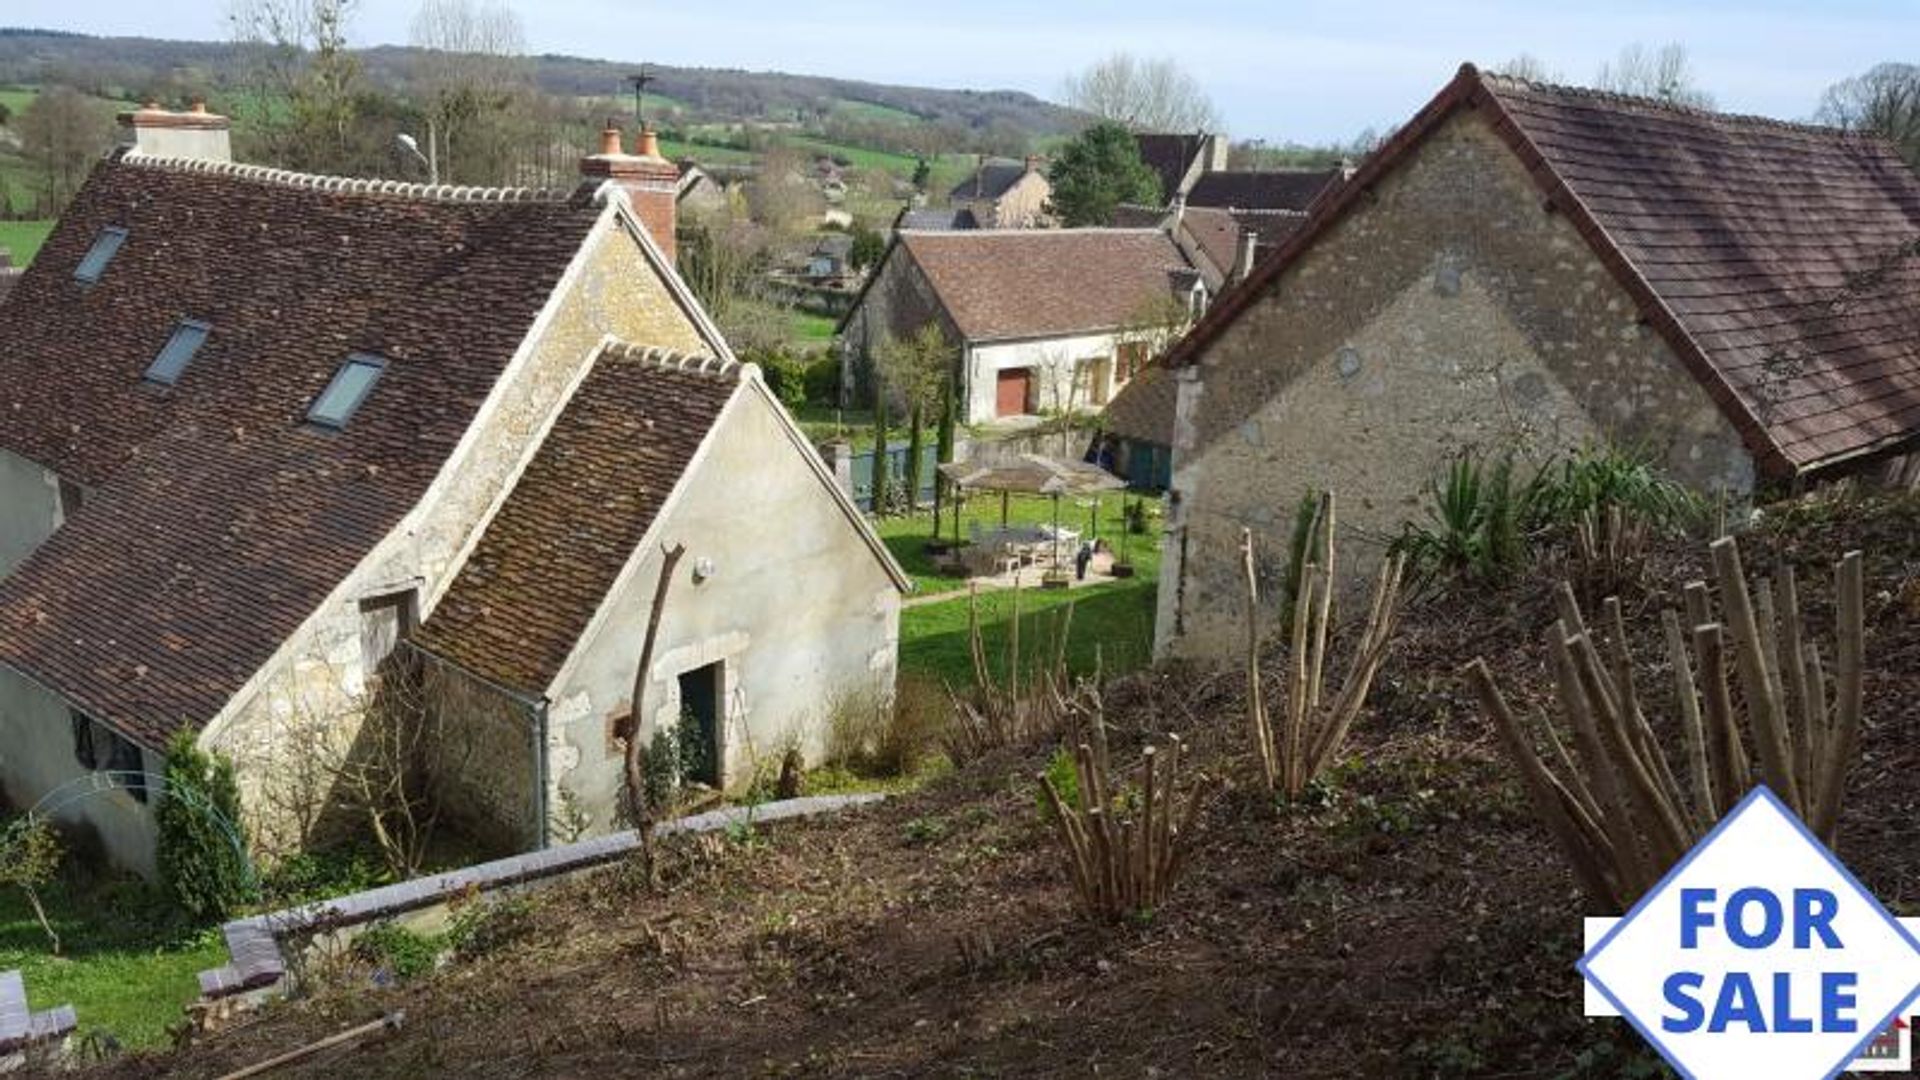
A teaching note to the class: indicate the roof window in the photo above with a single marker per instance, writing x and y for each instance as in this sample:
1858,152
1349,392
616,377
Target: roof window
178,352
105,246
350,386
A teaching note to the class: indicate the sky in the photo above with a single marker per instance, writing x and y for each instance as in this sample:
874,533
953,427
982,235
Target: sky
1306,71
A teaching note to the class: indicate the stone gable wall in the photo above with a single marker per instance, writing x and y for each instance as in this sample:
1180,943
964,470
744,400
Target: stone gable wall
1450,309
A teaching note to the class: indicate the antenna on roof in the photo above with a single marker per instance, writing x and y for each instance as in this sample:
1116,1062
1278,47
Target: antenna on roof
640,83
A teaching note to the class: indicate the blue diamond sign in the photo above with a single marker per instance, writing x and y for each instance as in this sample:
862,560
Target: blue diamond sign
1758,955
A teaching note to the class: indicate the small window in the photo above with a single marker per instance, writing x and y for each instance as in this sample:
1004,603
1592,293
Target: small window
100,254
98,747
177,353
83,741
337,403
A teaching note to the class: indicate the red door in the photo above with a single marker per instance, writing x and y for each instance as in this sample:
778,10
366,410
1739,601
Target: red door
1011,391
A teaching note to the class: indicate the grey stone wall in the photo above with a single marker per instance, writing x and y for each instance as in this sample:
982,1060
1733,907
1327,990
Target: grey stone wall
1451,309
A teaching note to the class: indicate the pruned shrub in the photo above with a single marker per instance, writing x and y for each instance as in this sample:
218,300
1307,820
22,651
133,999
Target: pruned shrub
1618,808
995,713
1314,727
1126,843
202,851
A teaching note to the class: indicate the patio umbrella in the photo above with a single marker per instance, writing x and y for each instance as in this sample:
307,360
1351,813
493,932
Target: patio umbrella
1033,474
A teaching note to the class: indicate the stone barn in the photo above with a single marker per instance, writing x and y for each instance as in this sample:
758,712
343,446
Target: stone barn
1538,267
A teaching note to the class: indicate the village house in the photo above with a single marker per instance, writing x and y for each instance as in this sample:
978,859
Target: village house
1045,320
1537,268
279,444
1193,171
1006,195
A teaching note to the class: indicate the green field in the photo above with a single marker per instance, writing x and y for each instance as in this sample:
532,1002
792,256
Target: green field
705,152
23,238
17,98
873,111
122,967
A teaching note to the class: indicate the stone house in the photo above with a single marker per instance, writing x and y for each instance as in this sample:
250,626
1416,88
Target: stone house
1536,268
280,444
1180,160
1046,320
1193,171
1006,195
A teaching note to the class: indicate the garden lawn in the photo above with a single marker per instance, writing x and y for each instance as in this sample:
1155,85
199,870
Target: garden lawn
126,968
22,239
812,330
1112,623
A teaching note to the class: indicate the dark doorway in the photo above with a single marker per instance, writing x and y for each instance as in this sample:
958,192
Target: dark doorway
700,725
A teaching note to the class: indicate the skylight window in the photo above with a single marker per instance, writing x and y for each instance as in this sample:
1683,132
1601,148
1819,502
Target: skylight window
177,353
100,254
350,386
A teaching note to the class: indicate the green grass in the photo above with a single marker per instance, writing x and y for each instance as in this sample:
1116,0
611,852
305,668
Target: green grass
1111,628
704,152
825,422
17,98
868,110
811,329
23,239
125,967
1112,622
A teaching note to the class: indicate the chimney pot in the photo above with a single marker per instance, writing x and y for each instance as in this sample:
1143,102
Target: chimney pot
1246,255
195,133
649,182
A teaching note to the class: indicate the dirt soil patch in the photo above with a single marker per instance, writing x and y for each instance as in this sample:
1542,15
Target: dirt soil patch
1407,919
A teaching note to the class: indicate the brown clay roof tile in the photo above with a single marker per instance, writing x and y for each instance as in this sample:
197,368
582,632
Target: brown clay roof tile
1002,284
217,519
575,516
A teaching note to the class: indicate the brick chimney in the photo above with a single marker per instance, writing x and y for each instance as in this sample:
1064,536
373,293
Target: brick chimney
152,131
1033,163
650,182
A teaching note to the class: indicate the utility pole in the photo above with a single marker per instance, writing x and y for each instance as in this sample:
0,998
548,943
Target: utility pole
640,83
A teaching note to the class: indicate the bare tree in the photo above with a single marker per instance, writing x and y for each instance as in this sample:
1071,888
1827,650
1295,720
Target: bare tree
62,133
305,80
1665,73
780,195
470,77
1885,102
1529,68
1145,95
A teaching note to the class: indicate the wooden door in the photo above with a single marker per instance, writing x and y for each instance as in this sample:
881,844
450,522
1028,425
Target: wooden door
1012,391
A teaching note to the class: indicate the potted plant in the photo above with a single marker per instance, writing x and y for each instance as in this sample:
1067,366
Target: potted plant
1134,512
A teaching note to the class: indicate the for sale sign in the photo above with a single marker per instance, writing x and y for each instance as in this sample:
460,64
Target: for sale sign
1758,955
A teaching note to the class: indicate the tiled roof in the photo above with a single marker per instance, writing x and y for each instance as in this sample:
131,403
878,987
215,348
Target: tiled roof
217,520
1001,284
1170,157
1143,409
1780,261
1281,189
1789,255
991,180
576,515
961,218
